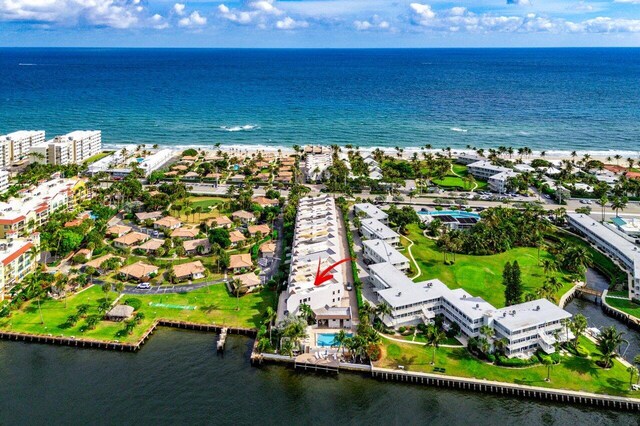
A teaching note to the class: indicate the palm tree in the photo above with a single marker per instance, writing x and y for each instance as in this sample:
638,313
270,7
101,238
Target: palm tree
608,341
636,361
619,203
578,325
549,266
434,336
238,286
383,309
602,202
340,338
270,316
633,371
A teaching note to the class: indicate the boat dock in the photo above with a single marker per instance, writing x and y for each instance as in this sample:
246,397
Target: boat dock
222,340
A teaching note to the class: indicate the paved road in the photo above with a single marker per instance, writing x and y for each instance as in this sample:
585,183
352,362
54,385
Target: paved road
164,289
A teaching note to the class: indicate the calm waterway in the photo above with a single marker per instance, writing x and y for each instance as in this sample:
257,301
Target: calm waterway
177,378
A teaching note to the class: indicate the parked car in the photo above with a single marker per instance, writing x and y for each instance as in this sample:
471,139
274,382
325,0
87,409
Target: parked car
144,286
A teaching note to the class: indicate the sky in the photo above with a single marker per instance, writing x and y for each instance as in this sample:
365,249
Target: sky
319,23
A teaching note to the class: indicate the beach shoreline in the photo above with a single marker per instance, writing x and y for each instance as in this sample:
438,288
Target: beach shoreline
606,156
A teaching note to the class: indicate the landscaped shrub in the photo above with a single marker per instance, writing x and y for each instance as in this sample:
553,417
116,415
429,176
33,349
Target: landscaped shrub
516,362
491,358
402,329
134,303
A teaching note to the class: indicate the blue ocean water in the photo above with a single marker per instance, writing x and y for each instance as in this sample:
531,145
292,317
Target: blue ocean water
545,99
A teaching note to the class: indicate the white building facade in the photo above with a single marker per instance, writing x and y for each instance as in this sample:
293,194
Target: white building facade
72,148
17,145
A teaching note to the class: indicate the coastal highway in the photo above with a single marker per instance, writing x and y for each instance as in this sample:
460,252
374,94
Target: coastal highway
632,209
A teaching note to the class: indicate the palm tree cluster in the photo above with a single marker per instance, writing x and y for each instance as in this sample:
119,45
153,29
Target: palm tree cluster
608,343
500,230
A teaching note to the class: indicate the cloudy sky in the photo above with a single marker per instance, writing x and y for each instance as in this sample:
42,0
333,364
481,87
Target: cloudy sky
320,23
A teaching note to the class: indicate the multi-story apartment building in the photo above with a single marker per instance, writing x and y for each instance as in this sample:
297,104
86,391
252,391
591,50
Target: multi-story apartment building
72,148
526,326
18,258
373,229
4,181
17,145
621,250
369,211
496,176
32,207
377,251
316,245
316,165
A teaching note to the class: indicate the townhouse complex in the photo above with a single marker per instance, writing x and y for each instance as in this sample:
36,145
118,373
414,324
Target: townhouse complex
72,148
316,245
621,250
17,145
33,206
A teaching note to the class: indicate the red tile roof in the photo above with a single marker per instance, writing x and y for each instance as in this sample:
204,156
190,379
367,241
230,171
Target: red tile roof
13,256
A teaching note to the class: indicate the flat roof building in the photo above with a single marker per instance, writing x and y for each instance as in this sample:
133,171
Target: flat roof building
377,251
373,229
370,212
72,148
17,145
623,251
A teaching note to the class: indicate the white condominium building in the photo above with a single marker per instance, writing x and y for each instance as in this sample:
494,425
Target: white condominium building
32,207
496,176
118,165
72,148
317,241
370,211
18,258
4,181
316,165
17,145
377,251
526,326
373,229
624,252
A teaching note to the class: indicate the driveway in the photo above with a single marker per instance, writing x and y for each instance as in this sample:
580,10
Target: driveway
164,289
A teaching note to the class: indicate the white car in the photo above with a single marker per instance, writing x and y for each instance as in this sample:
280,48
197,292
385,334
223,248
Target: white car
144,286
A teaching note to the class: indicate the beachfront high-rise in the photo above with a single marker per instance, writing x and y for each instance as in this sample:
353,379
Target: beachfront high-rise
72,148
17,145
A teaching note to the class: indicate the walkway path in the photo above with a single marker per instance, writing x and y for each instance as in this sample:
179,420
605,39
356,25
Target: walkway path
475,184
417,343
412,259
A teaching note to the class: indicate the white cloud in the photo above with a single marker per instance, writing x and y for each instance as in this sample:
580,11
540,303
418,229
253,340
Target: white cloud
460,19
375,23
520,2
109,13
290,24
193,20
158,22
627,1
262,14
178,8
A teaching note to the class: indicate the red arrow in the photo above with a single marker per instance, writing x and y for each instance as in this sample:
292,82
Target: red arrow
324,276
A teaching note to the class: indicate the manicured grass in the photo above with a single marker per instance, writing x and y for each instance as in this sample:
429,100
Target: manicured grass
631,308
479,275
210,209
97,157
419,337
573,373
453,181
215,305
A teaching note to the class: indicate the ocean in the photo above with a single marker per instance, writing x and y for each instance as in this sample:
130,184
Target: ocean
544,99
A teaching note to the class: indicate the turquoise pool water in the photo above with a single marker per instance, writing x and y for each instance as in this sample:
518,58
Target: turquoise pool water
618,221
452,213
327,339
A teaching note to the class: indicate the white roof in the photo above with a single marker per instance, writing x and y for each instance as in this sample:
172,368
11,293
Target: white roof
371,211
385,251
473,307
529,314
379,229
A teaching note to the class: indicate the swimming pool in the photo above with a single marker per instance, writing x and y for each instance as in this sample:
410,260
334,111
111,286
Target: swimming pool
328,339
453,213
618,221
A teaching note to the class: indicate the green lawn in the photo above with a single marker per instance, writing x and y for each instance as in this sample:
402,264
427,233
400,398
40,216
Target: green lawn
97,157
205,202
574,373
454,181
214,305
631,308
479,275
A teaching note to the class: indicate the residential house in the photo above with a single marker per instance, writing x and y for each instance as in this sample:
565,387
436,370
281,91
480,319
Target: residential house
139,271
189,271
240,263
